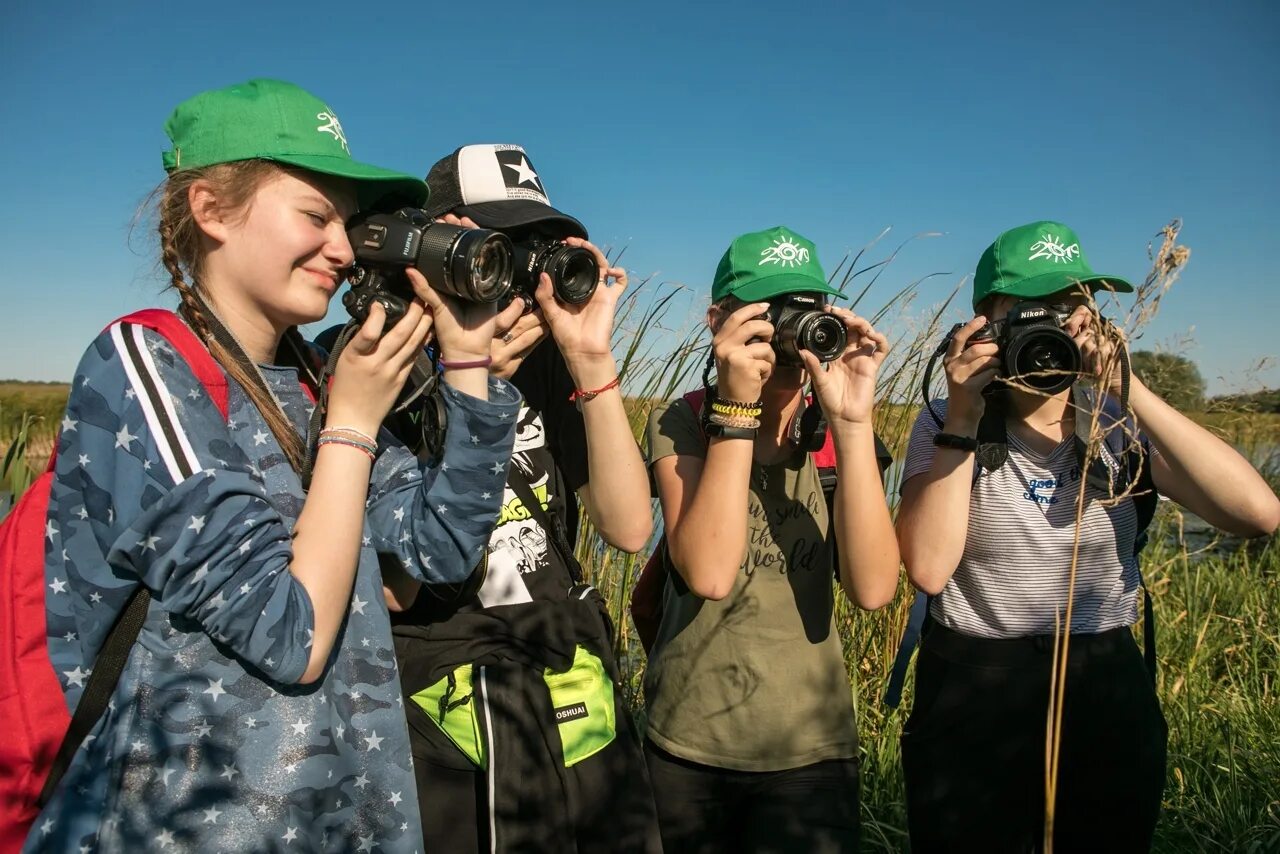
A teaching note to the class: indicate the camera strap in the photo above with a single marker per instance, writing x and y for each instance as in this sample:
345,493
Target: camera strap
296,348
554,526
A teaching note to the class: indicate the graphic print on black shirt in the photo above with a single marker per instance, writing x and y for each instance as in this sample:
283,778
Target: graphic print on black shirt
519,546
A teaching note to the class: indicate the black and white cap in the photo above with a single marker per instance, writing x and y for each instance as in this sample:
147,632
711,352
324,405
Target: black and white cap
496,186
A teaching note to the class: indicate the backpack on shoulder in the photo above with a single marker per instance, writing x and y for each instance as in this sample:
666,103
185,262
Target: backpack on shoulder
40,737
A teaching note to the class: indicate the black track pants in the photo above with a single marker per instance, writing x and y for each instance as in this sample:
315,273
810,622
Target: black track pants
973,749
703,809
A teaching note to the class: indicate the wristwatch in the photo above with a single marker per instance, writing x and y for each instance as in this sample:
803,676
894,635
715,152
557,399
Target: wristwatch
720,431
951,440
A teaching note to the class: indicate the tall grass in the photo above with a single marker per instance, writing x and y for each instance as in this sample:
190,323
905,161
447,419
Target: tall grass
1217,603
1217,608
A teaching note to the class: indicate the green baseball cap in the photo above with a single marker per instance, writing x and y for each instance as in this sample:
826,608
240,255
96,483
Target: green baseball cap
273,120
768,263
1036,260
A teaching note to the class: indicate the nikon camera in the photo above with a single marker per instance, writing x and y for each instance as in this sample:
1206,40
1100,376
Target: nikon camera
1034,349
573,270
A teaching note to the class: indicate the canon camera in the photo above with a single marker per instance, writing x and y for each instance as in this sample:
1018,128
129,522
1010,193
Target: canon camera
472,264
799,323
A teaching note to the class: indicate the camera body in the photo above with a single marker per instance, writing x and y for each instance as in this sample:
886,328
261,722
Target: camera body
1034,348
799,323
573,270
476,265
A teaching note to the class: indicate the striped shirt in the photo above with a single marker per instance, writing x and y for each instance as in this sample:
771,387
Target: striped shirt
1013,578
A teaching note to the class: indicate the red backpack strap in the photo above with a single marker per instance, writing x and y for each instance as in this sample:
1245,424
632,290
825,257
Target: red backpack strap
189,347
825,457
695,399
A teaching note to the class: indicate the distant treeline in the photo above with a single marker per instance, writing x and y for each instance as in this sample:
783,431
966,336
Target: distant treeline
1258,401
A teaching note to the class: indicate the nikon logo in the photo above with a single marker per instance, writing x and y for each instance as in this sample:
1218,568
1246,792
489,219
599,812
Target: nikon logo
564,714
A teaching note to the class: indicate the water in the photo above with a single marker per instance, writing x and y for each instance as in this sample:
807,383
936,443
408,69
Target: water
1201,539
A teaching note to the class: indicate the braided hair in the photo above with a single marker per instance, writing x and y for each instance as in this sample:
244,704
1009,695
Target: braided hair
182,254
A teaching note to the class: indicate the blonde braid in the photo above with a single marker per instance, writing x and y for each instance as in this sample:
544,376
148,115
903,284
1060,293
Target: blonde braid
180,247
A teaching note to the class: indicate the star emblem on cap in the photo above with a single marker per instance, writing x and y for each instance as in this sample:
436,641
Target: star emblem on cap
524,172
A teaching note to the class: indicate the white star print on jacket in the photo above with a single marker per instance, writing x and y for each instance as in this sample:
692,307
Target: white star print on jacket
209,743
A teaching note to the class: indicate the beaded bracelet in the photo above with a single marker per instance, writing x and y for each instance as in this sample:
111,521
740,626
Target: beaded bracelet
735,409
734,421
758,404
350,433
368,450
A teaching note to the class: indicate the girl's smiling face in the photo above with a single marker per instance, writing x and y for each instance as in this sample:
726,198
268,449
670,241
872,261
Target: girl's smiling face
285,253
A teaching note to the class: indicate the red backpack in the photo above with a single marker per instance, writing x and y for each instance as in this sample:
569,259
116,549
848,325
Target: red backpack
646,596
39,736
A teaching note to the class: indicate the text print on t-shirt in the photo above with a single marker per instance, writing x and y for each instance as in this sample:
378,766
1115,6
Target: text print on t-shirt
1044,490
794,523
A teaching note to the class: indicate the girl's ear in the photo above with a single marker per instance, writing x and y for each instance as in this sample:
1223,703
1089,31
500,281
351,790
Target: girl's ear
206,211
715,316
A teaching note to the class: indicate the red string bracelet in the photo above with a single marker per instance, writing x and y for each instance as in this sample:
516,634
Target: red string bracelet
581,396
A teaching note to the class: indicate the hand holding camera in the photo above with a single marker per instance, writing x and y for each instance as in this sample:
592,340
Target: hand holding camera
970,365
744,353
1098,340
374,365
516,332
846,388
463,328
584,330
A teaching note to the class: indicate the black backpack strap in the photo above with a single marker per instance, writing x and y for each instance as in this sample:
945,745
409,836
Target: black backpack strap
553,526
102,683
906,647
1145,502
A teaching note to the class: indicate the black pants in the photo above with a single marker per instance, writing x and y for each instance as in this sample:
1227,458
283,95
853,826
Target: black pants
607,795
704,809
973,749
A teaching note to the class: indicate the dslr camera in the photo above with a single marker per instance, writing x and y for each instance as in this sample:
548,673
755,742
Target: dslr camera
573,270
472,264
799,323
1034,348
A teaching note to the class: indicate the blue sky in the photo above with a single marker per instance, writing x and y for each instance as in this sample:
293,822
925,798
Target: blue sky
673,127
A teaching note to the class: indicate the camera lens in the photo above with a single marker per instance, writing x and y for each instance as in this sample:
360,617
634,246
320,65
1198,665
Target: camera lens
574,272
1044,358
489,266
474,264
816,331
824,335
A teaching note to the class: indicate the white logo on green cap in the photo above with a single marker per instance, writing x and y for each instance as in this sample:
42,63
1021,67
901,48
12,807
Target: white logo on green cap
1050,246
785,253
333,126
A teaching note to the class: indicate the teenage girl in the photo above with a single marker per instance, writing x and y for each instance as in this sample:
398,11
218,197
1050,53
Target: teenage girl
994,548
752,737
259,708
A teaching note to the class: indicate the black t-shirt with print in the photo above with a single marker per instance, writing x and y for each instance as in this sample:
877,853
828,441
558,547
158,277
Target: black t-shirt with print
550,456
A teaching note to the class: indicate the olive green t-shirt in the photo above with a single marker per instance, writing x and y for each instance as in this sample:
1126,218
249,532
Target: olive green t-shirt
755,681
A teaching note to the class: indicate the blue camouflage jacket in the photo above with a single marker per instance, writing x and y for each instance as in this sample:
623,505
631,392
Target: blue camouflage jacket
208,743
